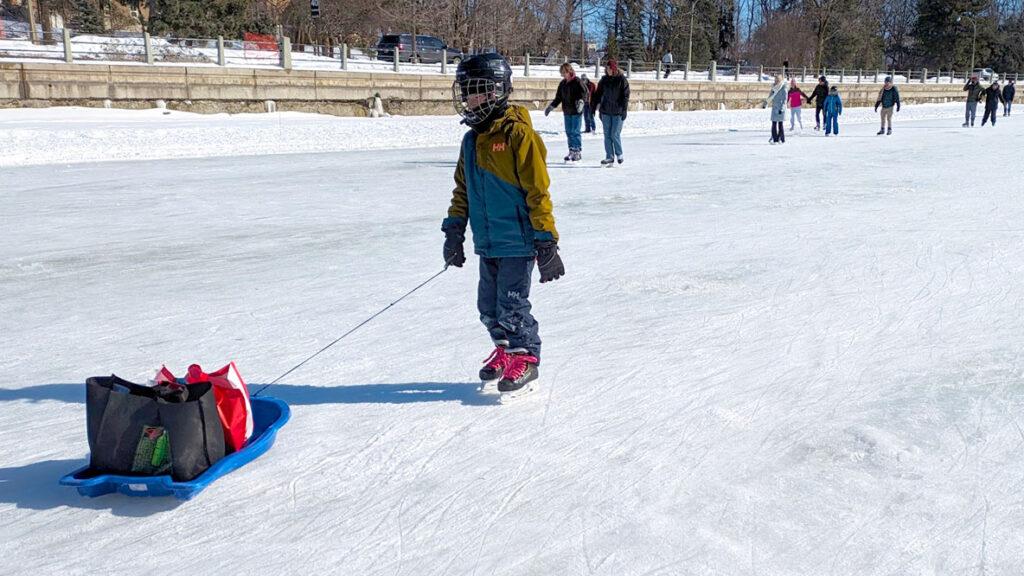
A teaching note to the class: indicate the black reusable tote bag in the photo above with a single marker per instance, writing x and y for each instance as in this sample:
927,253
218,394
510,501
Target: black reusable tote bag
144,431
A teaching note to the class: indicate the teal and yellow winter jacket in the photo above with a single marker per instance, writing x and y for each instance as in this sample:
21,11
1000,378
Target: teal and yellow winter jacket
501,187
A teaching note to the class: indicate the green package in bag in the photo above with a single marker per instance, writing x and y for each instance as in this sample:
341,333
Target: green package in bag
153,452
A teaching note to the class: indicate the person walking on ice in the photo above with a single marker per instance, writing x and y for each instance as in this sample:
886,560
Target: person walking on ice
501,191
588,110
974,95
820,93
1008,93
796,103
833,108
571,94
888,97
777,98
611,100
993,97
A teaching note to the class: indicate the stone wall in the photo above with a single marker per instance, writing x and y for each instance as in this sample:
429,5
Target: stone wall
211,89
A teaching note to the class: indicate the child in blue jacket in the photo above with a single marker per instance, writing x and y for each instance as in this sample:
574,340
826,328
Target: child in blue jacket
833,110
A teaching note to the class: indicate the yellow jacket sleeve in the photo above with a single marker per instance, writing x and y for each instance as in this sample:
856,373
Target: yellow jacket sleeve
459,207
532,171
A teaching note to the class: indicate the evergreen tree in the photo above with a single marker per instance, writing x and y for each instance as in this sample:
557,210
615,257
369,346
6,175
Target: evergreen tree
204,18
631,37
726,29
87,18
945,32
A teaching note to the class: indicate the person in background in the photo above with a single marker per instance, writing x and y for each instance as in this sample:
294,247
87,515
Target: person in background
666,62
501,192
785,69
777,100
611,100
1008,92
993,97
974,94
588,110
796,102
571,95
833,110
819,94
888,97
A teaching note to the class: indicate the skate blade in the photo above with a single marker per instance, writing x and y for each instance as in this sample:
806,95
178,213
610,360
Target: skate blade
488,386
516,395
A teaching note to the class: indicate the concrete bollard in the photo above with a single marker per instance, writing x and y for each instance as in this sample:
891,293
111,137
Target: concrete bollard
148,47
924,76
526,66
285,45
842,75
68,57
629,68
713,71
760,72
344,56
657,76
737,72
444,61
803,75
858,75
395,59
597,68
686,72
221,57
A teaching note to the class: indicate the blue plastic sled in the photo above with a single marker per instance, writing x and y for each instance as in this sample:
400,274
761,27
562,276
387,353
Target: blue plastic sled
269,414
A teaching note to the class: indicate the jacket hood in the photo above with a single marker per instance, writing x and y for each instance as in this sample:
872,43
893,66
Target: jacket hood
517,113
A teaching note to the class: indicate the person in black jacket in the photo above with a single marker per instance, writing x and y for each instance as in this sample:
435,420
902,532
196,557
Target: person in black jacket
993,96
818,97
611,100
572,94
1008,92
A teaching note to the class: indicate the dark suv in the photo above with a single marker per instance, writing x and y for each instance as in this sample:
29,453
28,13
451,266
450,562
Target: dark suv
428,48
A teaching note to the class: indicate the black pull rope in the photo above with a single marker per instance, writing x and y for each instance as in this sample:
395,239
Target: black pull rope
360,325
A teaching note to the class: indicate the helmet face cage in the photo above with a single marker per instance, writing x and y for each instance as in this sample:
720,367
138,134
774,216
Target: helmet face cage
464,87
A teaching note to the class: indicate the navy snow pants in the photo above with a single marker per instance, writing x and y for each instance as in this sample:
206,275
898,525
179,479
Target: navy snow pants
503,301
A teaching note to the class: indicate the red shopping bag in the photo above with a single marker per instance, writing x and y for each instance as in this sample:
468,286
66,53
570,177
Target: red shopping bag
232,402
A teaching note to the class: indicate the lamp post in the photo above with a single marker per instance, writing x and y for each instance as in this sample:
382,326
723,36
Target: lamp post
689,47
32,23
974,39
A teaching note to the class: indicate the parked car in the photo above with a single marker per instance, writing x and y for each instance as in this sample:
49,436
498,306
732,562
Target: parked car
428,49
984,73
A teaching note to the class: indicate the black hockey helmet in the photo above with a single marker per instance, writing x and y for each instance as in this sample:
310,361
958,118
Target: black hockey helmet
479,74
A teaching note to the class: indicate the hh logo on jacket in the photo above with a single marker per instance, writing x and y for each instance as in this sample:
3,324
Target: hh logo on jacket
498,147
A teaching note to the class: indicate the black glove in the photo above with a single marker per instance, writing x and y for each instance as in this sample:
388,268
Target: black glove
548,261
548,110
624,112
876,106
897,106
454,236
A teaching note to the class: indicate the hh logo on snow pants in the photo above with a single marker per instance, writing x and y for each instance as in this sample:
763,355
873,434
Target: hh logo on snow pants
503,301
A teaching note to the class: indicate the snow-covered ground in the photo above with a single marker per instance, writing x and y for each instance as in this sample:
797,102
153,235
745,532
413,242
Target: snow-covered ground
15,46
763,360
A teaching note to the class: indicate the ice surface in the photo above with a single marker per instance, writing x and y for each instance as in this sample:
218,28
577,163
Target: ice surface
769,360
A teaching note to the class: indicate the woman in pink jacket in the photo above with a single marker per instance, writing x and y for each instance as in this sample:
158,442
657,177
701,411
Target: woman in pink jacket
795,104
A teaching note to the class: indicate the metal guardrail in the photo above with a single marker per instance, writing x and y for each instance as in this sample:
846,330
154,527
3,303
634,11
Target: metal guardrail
62,46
